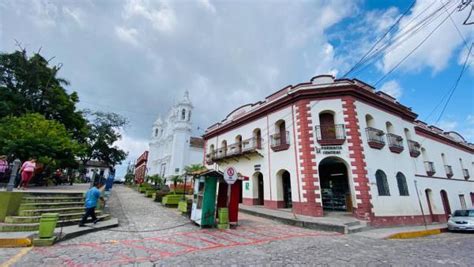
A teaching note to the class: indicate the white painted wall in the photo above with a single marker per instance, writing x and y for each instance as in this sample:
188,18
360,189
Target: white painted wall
391,163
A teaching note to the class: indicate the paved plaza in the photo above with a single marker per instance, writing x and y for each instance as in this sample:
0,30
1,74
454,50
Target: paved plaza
150,234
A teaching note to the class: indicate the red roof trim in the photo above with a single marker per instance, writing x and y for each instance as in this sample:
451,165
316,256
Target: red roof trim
436,137
318,93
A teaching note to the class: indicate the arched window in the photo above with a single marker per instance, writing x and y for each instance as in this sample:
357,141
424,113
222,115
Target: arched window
189,115
382,184
183,114
327,126
257,138
369,121
402,184
389,127
156,132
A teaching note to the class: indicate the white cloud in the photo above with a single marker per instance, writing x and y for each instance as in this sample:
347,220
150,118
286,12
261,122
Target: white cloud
208,5
392,88
128,35
134,146
75,13
470,119
448,125
159,13
431,54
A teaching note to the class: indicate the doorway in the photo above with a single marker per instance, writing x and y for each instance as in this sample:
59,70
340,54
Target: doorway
286,186
447,208
430,208
334,182
258,182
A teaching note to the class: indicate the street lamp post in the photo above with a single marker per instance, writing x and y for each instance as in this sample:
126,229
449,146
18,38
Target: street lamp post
15,168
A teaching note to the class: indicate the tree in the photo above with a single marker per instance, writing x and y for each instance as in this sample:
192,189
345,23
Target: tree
176,179
30,85
157,180
32,135
103,131
193,168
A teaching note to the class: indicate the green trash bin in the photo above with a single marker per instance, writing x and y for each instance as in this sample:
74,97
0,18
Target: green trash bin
47,224
223,215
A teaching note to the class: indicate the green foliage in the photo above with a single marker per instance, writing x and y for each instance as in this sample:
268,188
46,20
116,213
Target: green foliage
129,177
32,135
104,131
156,179
190,169
30,85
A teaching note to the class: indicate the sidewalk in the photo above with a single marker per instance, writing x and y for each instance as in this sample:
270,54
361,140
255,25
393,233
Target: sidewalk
342,223
338,223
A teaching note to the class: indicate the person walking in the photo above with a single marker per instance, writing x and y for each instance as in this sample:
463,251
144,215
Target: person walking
27,171
3,167
92,196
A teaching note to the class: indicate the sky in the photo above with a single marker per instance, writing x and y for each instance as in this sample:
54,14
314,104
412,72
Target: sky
138,57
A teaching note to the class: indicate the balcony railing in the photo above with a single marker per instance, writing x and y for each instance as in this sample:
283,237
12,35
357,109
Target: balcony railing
414,148
280,141
234,150
210,157
465,172
221,153
252,144
429,167
449,170
330,134
395,143
375,138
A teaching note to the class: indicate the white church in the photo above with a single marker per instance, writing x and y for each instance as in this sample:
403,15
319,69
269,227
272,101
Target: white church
172,147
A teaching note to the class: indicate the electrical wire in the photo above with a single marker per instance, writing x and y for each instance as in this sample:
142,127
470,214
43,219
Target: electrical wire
456,83
412,51
380,39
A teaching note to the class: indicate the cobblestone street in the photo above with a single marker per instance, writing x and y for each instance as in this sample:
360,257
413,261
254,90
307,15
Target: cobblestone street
256,242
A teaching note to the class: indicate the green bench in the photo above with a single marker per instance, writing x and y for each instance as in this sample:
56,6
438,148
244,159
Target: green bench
149,192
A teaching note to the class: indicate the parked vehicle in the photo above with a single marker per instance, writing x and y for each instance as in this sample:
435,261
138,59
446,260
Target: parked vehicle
461,220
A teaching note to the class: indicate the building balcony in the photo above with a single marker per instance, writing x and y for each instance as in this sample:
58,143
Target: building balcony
210,157
234,150
429,167
251,144
414,148
331,134
465,172
395,143
449,171
280,141
375,138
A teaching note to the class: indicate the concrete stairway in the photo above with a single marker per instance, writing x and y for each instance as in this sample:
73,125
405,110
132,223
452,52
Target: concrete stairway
70,207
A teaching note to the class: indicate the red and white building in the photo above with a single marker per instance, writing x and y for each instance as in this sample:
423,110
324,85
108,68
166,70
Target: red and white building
339,145
140,168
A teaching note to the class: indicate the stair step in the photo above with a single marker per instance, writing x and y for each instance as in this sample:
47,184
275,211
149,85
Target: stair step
37,212
30,206
35,219
53,194
27,227
51,199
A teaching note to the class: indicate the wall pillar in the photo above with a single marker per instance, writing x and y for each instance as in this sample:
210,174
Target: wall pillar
311,200
363,208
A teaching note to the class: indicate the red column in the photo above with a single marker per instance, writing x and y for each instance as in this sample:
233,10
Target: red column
359,172
310,204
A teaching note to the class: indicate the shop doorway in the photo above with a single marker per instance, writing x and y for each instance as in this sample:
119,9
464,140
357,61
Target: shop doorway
334,182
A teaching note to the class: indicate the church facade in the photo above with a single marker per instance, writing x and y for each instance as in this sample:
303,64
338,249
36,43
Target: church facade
172,146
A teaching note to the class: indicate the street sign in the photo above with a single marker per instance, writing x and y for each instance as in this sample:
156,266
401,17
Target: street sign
230,175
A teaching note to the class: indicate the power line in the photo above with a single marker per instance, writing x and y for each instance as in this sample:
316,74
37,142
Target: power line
380,39
413,50
405,34
456,83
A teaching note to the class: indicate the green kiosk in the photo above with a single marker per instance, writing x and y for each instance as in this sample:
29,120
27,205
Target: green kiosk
203,210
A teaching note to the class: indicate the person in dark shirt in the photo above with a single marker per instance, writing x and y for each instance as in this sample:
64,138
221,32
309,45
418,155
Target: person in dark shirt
92,196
